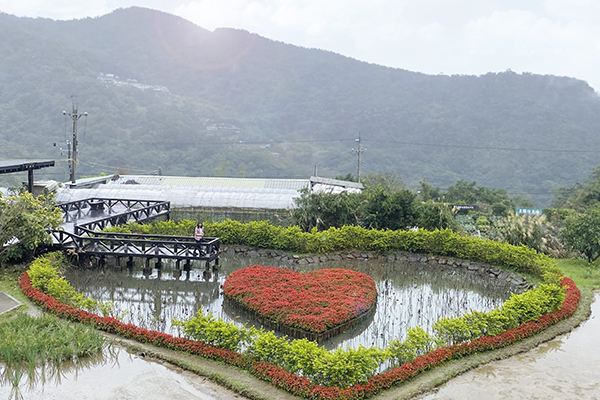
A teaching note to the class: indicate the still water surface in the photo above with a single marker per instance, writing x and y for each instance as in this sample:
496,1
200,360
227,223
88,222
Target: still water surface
113,374
565,368
409,294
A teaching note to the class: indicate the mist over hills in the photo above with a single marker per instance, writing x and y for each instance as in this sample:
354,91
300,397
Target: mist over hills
164,93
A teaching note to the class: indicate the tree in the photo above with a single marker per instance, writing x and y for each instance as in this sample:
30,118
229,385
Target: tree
582,233
395,210
24,221
325,210
470,193
425,190
432,216
580,196
389,181
349,177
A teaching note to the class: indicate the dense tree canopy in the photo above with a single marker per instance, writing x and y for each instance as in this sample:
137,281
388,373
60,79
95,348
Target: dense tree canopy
580,196
231,103
24,221
582,233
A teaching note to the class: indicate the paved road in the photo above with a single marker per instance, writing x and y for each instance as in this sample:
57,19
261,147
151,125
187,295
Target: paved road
7,302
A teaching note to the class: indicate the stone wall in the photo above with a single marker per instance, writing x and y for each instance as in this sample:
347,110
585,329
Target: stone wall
477,268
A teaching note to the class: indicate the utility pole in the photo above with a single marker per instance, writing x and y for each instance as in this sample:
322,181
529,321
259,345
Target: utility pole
75,117
358,151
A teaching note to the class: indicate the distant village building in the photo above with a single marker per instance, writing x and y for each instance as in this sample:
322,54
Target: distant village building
111,79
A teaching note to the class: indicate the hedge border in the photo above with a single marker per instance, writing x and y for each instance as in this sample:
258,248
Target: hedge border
296,384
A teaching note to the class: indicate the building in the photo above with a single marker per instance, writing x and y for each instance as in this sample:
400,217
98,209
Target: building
219,197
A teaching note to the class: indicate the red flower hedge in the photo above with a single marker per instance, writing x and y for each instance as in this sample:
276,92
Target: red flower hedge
298,385
314,301
379,382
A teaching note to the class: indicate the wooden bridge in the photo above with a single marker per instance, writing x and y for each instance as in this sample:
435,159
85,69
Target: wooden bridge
79,233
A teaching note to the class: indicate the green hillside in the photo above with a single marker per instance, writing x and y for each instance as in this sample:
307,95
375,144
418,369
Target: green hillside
230,103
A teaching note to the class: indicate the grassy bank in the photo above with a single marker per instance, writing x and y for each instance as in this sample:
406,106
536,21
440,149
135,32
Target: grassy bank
584,274
9,283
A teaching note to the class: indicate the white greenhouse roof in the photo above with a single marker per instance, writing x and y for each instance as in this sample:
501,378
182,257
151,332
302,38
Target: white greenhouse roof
185,192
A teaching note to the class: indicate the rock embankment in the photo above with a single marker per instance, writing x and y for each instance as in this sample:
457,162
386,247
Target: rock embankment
477,268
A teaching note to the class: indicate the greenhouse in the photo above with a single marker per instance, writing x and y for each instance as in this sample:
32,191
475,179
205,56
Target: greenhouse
192,192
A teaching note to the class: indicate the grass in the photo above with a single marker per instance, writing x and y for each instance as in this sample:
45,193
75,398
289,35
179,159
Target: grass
9,280
28,343
34,341
583,274
9,283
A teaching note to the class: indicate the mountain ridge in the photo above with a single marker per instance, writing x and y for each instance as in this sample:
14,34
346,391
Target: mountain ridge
291,107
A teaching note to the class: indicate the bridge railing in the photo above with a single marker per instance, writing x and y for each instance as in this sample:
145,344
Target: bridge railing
152,246
76,209
89,238
147,211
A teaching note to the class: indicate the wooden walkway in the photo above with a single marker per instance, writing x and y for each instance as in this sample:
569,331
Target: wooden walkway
83,219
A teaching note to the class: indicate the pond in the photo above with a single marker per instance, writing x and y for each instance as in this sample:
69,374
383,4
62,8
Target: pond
409,294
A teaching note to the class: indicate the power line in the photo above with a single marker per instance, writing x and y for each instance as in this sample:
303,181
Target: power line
385,142
483,147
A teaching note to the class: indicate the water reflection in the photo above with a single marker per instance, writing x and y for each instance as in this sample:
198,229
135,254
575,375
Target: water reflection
118,375
18,378
409,294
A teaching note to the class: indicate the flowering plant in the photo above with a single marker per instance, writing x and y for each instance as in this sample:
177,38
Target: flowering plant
293,382
313,301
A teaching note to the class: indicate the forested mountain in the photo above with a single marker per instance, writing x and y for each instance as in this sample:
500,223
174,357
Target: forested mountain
164,93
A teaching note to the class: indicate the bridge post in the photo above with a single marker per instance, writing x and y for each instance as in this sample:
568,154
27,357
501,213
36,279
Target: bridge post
147,271
177,272
206,275
130,264
158,265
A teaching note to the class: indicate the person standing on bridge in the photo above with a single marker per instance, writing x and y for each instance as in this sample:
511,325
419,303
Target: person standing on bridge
198,235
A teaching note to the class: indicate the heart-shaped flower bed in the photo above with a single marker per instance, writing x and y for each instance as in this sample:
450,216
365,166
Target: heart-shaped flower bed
314,301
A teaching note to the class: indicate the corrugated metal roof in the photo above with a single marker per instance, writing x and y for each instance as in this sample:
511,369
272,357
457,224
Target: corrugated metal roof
294,184
184,191
181,196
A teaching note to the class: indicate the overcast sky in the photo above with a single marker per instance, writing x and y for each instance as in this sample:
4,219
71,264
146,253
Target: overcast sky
558,37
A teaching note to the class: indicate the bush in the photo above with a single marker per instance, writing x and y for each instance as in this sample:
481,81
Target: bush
217,332
417,343
308,367
348,238
46,275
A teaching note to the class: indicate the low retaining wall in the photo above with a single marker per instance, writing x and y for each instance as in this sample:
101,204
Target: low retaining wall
477,268
298,333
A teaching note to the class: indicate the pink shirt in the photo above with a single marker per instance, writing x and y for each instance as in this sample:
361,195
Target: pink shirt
198,233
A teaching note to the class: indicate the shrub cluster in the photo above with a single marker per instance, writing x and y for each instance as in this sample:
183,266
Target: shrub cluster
444,242
342,366
46,275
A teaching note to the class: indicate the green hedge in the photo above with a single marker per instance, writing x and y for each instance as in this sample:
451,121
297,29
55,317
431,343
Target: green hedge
262,234
325,367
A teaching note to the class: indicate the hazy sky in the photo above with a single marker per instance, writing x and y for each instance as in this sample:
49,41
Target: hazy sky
558,37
